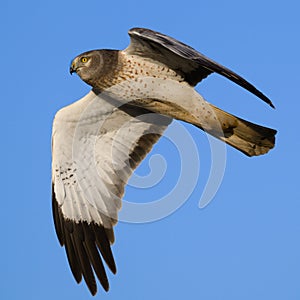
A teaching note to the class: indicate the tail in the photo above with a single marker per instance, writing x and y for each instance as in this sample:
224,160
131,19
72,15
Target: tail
249,138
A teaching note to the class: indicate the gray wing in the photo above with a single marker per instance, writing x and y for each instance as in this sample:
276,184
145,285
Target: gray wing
95,148
188,62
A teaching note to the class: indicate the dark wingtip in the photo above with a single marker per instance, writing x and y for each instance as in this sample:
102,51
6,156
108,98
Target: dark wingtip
260,95
266,99
93,291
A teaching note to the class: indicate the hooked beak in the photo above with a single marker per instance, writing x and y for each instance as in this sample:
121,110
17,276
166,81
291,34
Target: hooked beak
73,68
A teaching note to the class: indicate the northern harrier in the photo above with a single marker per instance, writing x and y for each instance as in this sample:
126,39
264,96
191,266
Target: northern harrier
139,89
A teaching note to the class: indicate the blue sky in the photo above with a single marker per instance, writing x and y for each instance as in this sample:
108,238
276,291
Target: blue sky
246,243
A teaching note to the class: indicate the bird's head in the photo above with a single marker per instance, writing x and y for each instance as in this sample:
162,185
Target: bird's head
87,65
94,66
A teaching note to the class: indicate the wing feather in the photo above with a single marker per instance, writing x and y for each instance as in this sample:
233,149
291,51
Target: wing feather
103,244
83,258
95,148
94,256
188,62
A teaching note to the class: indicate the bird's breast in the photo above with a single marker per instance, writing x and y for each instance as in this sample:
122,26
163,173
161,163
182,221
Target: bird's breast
134,67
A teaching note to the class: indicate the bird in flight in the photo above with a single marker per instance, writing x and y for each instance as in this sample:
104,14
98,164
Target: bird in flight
100,139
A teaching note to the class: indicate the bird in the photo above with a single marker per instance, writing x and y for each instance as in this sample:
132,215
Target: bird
99,140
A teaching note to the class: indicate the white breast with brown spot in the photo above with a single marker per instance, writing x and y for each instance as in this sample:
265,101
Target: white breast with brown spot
134,66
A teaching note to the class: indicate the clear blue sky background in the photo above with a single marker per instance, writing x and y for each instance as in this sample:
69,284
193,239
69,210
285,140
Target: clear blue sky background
246,243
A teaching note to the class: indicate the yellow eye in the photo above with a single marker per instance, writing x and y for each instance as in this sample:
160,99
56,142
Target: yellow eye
83,59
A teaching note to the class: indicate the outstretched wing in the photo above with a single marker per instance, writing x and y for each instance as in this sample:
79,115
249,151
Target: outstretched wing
95,147
188,62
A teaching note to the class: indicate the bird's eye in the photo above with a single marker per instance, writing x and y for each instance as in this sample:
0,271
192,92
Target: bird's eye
84,59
